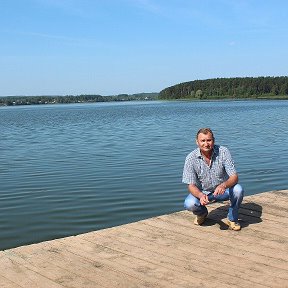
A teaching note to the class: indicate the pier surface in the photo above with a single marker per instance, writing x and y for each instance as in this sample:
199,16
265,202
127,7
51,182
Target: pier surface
165,251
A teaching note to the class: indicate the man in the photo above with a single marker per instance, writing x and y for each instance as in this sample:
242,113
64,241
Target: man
211,176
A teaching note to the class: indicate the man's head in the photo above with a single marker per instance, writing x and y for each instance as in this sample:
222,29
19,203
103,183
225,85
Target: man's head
205,140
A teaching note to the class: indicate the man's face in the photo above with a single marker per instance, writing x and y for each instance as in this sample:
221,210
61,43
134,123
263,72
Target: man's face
205,142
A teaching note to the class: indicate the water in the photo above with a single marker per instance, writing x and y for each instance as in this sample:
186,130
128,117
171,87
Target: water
70,169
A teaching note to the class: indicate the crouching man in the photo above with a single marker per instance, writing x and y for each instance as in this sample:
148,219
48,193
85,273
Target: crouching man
210,174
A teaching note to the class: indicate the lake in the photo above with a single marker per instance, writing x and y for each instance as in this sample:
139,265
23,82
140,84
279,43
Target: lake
70,169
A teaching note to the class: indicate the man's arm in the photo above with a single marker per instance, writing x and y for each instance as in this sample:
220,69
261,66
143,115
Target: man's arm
231,181
197,193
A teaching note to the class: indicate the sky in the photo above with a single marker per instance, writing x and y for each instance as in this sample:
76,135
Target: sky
111,47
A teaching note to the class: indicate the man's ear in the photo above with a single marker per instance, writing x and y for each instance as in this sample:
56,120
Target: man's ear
196,141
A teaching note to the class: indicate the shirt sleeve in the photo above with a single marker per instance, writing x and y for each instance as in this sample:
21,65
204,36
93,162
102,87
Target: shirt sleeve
229,164
189,176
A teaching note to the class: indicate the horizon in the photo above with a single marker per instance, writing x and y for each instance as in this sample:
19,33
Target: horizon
75,95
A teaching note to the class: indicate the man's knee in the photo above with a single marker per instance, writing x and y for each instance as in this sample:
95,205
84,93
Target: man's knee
190,202
238,191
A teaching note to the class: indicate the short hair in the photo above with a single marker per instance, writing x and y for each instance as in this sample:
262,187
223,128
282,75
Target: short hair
205,131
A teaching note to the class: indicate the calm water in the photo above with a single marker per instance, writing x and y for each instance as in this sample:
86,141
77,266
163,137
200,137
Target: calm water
69,169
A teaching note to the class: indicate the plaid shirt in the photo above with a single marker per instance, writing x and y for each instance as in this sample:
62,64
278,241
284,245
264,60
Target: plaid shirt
196,171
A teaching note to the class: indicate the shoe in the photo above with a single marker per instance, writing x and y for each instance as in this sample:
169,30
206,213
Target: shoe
200,219
233,225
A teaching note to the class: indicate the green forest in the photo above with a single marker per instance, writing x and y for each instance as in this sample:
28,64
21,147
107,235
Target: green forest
37,100
229,88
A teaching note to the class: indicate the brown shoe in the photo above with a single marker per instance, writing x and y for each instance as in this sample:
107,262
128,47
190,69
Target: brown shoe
200,219
233,225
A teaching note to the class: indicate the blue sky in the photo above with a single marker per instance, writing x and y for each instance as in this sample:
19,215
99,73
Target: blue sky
109,47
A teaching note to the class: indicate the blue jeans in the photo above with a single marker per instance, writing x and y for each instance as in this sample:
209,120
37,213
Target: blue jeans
235,194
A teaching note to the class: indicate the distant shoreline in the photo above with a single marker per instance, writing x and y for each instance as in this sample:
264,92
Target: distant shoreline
50,100
15,100
69,99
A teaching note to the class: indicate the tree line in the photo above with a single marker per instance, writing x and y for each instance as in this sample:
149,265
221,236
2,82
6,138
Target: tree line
229,88
37,100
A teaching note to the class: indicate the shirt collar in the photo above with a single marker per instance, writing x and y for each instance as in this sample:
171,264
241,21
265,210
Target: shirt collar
199,155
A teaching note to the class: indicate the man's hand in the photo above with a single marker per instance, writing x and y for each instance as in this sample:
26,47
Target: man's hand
220,189
231,181
204,200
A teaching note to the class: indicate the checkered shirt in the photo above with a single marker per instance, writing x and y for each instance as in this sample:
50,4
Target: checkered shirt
196,171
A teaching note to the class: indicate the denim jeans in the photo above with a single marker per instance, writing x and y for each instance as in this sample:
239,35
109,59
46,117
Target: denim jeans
235,194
